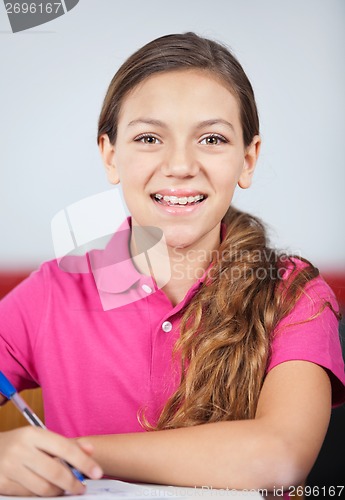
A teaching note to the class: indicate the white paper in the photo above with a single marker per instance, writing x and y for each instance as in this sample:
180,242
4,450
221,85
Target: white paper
109,488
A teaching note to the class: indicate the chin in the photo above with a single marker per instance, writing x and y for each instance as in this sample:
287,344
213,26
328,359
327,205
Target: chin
179,238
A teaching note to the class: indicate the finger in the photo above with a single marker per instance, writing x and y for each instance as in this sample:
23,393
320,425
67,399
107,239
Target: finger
28,483
53,473
70,451
12,488
15,477
88,448
36,451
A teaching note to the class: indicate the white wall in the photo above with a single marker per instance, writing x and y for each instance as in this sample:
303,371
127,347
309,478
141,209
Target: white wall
53,80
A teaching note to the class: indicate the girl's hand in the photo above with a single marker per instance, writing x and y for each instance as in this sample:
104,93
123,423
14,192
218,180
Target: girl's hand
29,464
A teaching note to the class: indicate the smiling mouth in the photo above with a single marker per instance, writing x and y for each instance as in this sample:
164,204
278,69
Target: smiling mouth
178,201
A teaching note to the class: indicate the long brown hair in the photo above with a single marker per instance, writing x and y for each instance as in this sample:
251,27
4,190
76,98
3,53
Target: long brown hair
226,329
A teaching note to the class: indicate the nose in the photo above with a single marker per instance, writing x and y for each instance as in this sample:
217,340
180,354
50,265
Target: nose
180,161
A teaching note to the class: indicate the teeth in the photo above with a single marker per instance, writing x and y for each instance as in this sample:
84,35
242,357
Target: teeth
175,200
172,199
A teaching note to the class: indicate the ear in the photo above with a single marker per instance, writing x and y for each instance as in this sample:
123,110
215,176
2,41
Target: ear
107,150
250,158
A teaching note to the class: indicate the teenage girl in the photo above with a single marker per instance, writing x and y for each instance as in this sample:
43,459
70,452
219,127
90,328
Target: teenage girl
224,374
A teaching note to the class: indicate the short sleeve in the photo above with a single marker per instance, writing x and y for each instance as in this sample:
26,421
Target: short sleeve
310,335
20,317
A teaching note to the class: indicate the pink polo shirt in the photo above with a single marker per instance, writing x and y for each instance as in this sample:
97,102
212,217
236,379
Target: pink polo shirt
98,366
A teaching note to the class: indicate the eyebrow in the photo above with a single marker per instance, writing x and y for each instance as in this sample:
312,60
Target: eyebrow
215,121
147,121
159,123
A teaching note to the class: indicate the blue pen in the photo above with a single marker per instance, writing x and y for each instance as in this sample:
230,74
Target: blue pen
7,390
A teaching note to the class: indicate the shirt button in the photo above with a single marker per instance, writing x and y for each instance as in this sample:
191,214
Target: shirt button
146,288
166,326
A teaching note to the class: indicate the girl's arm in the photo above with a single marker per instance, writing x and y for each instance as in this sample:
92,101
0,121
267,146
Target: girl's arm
277,448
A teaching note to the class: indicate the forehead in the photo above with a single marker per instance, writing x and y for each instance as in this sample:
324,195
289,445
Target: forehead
193,91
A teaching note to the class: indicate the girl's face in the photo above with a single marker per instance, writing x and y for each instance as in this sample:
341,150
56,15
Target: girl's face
179,155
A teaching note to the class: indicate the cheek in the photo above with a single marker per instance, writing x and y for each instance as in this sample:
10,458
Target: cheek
228,172
133,167
225,187
228,162
226,178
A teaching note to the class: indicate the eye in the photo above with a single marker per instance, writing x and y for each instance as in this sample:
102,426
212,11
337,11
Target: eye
147,139
214,140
